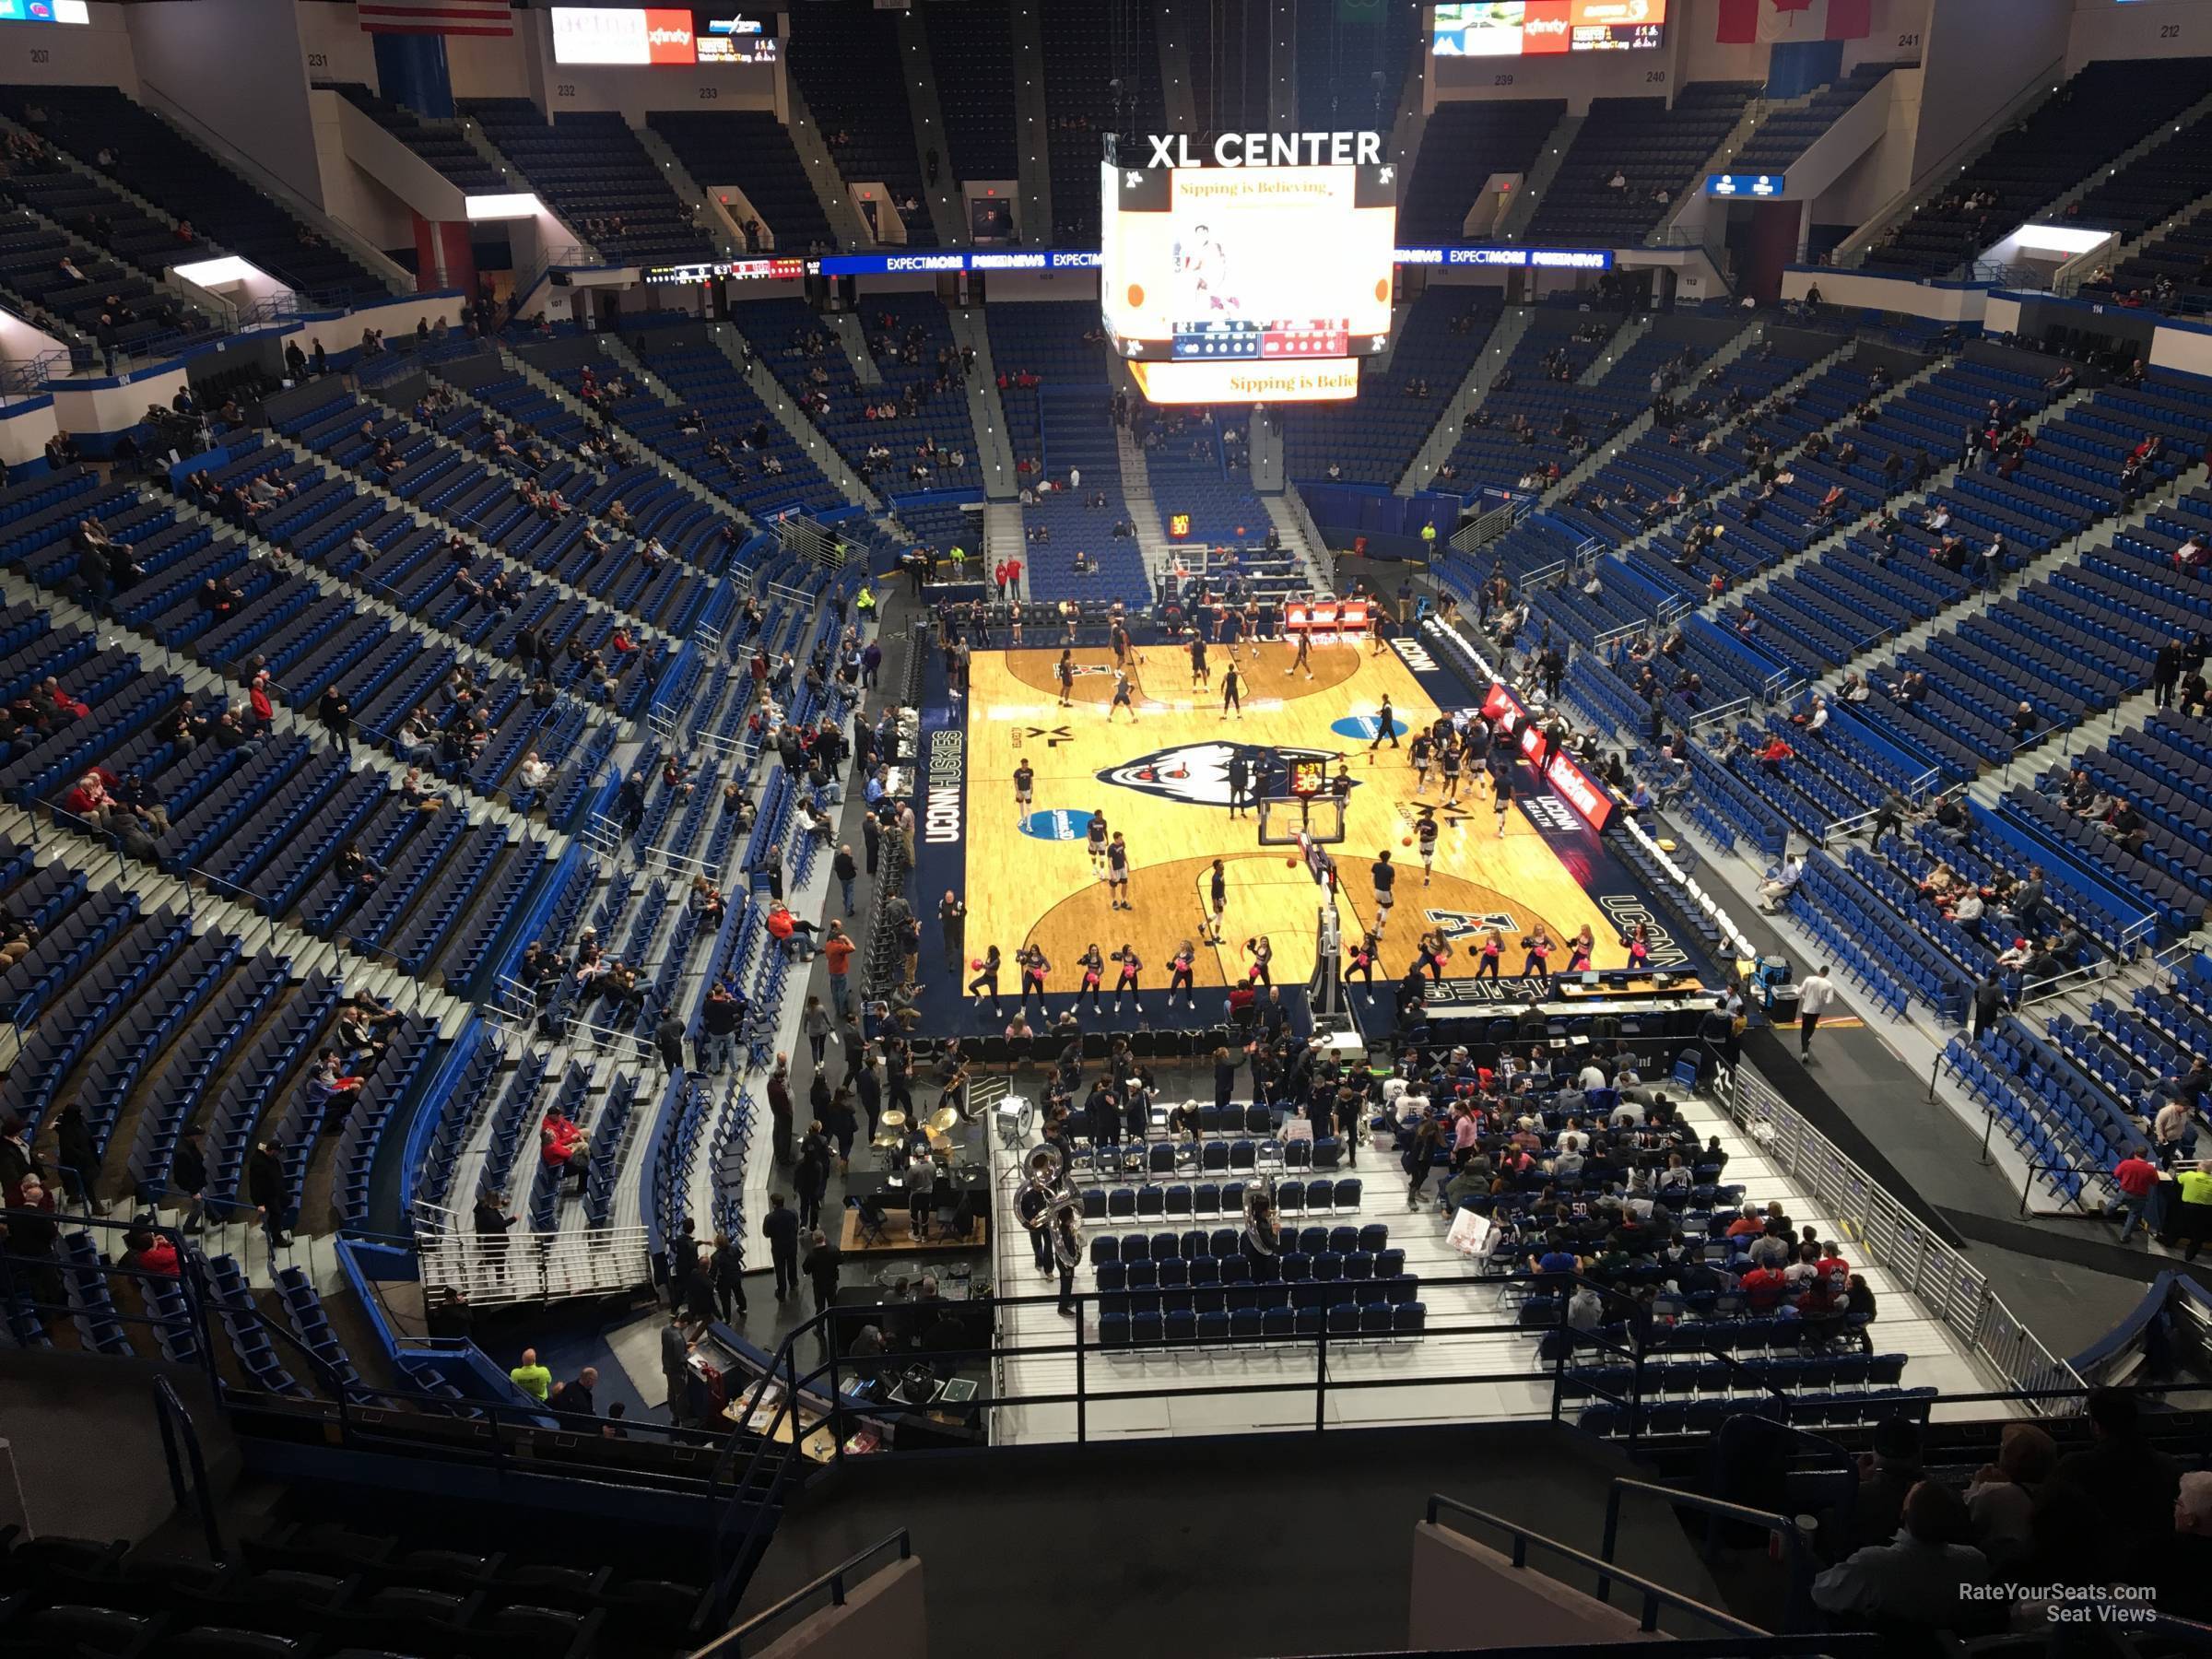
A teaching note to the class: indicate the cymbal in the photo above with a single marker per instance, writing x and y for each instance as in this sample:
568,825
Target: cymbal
893,1119
942,1120
887,1143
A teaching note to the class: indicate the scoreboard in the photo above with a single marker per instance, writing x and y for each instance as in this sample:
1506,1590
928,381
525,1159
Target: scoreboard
1321,337
1260,270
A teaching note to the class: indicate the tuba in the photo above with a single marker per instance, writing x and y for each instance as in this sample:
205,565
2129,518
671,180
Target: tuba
1259,1216
1055,1209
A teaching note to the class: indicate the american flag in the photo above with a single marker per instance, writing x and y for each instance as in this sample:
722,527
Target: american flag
438,17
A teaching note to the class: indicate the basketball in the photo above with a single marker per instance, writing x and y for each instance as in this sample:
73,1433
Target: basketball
976,964
1407,842
1291,863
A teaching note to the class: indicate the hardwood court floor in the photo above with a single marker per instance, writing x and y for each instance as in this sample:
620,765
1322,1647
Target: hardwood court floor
1158,780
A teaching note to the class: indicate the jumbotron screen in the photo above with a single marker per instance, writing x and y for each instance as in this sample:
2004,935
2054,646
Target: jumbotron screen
1226,282
1538,28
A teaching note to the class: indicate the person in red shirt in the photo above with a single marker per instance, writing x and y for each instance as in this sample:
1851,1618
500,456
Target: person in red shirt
150,1253
60,705
1749,1225
1775,753
561,1143
998,574
784,928
1013,577
1832,1270
836,950
1763,1288
265,712
88,798
2139,1178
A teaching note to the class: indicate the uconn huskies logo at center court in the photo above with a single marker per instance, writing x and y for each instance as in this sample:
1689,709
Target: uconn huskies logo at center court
941,812
1198,772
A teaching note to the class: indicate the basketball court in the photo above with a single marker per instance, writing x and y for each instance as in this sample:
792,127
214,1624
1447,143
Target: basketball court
1162,782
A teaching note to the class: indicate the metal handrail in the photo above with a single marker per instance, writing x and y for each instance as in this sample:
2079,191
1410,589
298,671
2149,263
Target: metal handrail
1655,1595
1851,252
1802,1562
1721,712
731,1643
176,1425
1957,1295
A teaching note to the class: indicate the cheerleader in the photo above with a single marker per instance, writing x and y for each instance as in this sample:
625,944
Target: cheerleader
1362,962
1014,619
1536,961
1435,951
1583,949
1093,964
1129,962
1493,952
986,978
1034,967
1179,974
1263,954
1638,940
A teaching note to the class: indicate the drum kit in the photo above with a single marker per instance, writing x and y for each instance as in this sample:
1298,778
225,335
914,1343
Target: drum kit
891,1131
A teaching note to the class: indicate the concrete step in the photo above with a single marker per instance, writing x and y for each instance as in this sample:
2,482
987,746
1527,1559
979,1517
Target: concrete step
1443,437
730,342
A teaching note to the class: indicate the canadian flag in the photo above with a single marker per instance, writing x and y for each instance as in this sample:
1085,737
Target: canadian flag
1744,21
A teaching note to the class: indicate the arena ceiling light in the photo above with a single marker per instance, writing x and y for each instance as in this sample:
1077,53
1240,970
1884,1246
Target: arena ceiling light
518,204
214,273
2059,239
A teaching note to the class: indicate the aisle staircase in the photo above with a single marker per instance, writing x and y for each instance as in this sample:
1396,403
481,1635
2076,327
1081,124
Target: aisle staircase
1443,437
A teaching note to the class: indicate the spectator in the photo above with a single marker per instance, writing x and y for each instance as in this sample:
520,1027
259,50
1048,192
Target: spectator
1775,890
2179,1565
781,1227
2138,1179
2127,1486
2002,1499
1921,1579
824,1263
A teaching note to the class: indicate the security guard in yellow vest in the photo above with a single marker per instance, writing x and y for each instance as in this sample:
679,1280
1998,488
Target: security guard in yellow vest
2193,1220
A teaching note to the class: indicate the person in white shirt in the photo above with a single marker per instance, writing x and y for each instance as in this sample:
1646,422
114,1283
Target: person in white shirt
1592,1076
2169,1129
1816,718
1628,1114
1775,890
534,772
1815,995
